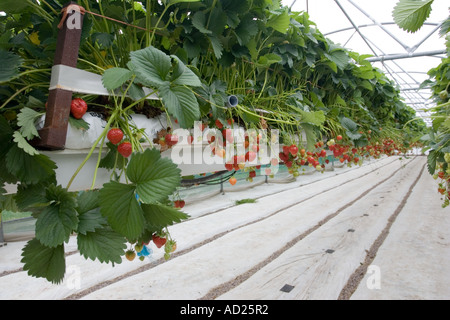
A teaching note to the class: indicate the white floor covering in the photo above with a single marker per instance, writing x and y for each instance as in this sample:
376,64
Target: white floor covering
306,239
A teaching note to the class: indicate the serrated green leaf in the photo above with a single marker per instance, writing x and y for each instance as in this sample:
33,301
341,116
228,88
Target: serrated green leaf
23,144
411,14
9,68
87,201
26,120
91,221
159,216
104,244
216,45
151,66
268,59
155,177
349,124
181,103
316,118
119,205
182,75
114,78
44,262
279,22
59,219
353,135
88,209
29,169
13,6
431,161
79,124
199,21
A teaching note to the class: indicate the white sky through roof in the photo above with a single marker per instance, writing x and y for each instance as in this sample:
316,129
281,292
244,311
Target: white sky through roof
367,27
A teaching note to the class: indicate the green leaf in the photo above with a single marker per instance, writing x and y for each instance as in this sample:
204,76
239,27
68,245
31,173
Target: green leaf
217,46
155,177
182,75
43,262
29,169
104,244
23,144
339,57
181,103
279,22
13,6
199,22
88,209
246,30
26,119
151,66
9,68
113,78
349,124
268,59
411,14
431,161
171,2
79,124
119,205
58,220
316,118
159,216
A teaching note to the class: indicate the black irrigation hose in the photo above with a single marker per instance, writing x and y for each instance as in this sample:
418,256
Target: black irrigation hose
204,180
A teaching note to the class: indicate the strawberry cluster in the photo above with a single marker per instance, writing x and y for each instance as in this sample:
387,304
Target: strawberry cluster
115,136
443,174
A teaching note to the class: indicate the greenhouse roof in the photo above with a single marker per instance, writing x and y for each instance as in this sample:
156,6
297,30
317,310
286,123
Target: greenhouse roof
367,27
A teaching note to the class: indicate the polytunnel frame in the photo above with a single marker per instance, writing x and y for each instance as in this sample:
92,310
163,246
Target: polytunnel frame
412,91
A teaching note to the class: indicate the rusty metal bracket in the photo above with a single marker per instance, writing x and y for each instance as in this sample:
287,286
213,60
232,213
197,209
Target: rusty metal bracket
53,135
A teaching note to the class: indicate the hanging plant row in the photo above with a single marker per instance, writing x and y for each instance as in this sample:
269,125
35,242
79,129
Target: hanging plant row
193,55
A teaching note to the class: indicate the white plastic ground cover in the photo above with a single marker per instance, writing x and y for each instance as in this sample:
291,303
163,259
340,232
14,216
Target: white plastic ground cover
81,81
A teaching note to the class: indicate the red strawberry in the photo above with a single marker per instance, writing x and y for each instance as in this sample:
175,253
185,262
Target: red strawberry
171,139
190,139
78,108
125,149
252,174
115,135
250,156
293,150
219,124
159,241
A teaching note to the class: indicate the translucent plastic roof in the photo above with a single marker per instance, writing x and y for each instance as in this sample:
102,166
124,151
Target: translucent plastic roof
367,27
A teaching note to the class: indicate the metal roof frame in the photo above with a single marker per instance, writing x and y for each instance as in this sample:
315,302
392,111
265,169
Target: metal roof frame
408,81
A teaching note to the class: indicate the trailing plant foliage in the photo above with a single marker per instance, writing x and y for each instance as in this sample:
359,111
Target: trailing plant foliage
193,55
410,15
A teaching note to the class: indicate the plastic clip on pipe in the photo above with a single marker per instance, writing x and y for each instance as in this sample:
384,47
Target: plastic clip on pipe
232,101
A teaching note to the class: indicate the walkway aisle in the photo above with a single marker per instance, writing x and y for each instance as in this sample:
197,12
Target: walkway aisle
304,240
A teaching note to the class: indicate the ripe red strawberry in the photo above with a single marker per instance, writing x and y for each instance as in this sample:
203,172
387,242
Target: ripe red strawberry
252,174
158,241
250,156
115,135
229,166
171,139
293,150
219,124
339,138
190,139
125,149
78,108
